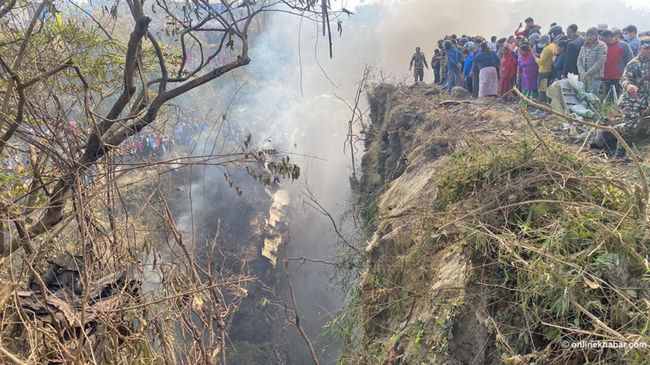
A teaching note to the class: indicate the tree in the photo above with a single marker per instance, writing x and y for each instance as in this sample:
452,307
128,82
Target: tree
79,83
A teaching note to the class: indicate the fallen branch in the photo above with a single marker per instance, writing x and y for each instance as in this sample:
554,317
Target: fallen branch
296,319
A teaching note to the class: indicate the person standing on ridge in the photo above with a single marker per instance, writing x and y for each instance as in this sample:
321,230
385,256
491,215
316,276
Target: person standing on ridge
531,28
635,83
454,65
435,65
507,72
574,45
420,62
545,63
619,54
560,59
630,36
443,62
591,61
488,64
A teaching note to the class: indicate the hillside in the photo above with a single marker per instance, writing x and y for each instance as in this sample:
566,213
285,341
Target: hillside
491,244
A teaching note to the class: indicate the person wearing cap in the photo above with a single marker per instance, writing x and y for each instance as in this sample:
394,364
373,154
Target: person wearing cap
418,60
574,45
532,42
630,36
618,55
601,28
635,99
531,28
618,33
591,61
545,63
555,31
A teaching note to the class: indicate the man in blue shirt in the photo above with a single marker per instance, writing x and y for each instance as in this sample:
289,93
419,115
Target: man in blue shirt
631,38
467,69
454,64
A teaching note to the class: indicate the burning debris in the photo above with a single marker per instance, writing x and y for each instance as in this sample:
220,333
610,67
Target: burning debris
274,225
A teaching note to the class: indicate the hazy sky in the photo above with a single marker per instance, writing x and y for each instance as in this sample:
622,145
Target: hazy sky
350,4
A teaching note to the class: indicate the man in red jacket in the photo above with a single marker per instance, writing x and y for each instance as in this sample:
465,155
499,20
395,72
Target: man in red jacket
619,54
531,28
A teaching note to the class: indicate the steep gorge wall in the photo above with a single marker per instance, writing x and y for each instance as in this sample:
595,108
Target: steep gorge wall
416,283
492,244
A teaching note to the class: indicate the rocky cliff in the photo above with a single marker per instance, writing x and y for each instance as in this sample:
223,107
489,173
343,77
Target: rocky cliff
491,244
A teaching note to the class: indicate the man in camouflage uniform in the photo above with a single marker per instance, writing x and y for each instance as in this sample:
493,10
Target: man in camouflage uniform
443,63
420,61
636,97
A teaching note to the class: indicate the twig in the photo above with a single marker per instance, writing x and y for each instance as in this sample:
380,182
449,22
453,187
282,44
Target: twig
598,322
532,128
11,356
296,319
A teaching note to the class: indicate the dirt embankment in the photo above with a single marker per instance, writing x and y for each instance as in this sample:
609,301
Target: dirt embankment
492,245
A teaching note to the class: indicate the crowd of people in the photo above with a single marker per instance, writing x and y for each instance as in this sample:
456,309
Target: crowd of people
532,60
157,144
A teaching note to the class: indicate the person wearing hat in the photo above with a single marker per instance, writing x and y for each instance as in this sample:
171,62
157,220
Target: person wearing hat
418,60
534,43
545,63
618,33
635,83
591,61
618,55
574,44
602,27
555,31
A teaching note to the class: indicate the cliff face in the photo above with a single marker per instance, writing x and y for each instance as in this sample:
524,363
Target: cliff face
462,266
416,280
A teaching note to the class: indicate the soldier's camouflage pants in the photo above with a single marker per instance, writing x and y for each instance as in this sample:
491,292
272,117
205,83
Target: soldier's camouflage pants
418,73
632,109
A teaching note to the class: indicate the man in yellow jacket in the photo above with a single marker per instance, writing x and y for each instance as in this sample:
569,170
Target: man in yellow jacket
545,62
